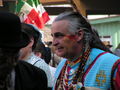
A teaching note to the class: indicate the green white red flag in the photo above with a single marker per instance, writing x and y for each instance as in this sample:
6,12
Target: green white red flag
43,14
28,13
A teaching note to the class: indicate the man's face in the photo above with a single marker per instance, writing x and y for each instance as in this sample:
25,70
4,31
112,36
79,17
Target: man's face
64,41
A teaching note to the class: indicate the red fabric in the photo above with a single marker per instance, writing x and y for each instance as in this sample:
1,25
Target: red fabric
117,79
45,17
34,18
39,22
33,14
28,21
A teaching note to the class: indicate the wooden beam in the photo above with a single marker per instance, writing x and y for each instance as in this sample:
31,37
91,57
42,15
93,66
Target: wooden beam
9,0
51,2
57,10
103,11
1,3
79,6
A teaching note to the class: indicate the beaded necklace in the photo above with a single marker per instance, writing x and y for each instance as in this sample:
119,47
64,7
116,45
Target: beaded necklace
62,82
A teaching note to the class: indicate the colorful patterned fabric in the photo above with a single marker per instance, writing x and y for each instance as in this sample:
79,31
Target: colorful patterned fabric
99,73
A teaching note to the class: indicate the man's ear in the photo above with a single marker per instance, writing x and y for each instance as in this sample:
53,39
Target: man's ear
38,54
31,42
80,35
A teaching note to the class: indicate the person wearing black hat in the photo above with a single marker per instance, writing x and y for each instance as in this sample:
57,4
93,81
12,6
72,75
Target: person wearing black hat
16,74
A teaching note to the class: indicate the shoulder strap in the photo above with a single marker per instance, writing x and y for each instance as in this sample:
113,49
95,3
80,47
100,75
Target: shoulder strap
36,62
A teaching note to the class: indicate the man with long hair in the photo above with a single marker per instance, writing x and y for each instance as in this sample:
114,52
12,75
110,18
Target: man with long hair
88,62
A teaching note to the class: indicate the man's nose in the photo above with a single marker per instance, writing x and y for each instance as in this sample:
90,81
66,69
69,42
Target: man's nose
55,42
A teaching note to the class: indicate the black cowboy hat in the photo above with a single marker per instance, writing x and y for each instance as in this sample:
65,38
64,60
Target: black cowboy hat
11,35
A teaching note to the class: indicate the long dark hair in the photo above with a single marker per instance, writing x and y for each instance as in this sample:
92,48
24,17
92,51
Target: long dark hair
8,60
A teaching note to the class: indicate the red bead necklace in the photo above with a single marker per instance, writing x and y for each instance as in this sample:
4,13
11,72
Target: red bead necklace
62,82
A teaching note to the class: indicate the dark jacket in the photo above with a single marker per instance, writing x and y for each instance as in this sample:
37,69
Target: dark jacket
29,77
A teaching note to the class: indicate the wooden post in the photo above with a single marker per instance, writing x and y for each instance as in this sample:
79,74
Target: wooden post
1,3
79,6
52,1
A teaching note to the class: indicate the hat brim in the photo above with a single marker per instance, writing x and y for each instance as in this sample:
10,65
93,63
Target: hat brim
25,40
22,43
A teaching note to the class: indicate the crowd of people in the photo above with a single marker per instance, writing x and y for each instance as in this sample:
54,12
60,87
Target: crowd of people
86,63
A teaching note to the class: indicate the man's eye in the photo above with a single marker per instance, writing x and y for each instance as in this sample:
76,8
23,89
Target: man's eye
58,35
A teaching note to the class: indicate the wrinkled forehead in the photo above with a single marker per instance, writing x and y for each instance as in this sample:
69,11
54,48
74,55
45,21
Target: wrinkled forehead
61,26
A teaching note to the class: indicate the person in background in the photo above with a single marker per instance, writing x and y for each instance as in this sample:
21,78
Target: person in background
16,74
108,45
44,53
88,63
54,58
117,50
28,55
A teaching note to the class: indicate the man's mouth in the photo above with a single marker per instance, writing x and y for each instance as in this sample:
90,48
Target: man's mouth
59,48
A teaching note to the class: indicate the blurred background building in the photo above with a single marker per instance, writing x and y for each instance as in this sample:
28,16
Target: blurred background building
104,15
